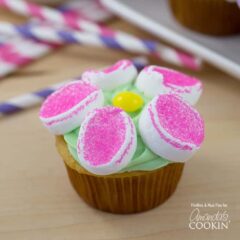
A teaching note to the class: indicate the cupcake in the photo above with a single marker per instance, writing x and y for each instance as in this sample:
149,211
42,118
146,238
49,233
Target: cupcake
124,137
213,17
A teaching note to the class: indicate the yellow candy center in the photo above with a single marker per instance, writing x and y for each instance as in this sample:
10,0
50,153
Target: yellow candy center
128,101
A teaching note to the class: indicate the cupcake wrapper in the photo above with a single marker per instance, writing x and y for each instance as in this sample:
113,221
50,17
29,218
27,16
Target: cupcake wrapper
127,194
214,17
124,192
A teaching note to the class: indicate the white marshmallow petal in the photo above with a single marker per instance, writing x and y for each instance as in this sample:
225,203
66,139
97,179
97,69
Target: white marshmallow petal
175,137
107,141
60,114
154,80
120,73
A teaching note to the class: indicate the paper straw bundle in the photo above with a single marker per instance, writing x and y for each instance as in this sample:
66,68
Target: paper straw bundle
103,35
57,35
17,52
26,101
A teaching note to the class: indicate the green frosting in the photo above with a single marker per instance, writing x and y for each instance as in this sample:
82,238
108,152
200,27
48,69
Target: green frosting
144,159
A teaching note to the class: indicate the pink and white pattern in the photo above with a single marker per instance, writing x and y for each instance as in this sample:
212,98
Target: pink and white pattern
122,72
65,109
17,52
107,141
171,128
155,80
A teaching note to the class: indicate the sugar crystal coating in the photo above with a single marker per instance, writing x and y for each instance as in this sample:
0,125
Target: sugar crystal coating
104,136
65,98
118,65
171,77
179,119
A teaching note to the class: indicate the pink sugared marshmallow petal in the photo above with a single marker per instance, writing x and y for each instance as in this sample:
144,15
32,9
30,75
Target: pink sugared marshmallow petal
171,128
106,141
154,80
122,72
65,109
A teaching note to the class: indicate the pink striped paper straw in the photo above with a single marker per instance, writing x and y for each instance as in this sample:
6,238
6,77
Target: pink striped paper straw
59,35
125,40
18,52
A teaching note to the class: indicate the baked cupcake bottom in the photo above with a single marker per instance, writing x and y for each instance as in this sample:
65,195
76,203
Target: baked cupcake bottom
213,17
130,192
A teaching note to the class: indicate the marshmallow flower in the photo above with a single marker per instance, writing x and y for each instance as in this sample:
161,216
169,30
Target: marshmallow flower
159,97
155,80
171,128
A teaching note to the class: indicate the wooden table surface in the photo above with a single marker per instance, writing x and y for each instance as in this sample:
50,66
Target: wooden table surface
37,200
